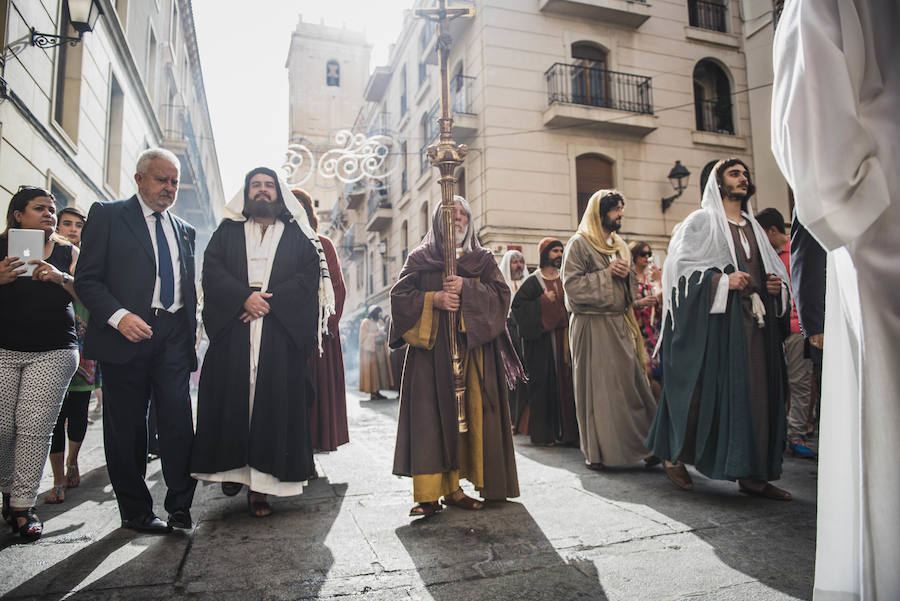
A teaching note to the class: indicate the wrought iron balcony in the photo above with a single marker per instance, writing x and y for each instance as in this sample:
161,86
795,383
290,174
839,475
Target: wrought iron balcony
379,212
715,116
582,95
707,14
577,84
461,95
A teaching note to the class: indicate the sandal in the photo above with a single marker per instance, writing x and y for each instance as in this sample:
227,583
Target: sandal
73,477
32,528
56,495
258,509
463,501
768,492
424,510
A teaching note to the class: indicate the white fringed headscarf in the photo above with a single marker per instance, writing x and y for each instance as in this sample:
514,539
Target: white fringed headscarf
703,241
234,211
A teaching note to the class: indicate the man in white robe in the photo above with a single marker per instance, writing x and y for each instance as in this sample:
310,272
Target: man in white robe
835,134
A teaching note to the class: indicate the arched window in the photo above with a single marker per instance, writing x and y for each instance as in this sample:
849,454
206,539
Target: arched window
593,172
712,98
589,75
333,73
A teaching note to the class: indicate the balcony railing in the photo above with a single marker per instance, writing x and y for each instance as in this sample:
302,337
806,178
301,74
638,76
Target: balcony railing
589,86
431,122
378,199
707,14
461,95
714,115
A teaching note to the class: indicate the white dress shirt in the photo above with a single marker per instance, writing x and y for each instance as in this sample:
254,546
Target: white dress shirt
172,240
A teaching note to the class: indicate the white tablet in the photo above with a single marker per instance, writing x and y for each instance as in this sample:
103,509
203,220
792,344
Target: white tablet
27,245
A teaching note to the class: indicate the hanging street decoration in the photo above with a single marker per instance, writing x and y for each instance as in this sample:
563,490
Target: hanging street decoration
355,158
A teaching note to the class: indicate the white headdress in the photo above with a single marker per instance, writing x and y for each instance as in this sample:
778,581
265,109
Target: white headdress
703,241
234,211
505,266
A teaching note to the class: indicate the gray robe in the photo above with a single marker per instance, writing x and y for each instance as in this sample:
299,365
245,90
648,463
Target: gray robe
613,401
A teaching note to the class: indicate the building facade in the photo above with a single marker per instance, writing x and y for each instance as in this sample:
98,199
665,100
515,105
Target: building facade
74,119
555,99
328,68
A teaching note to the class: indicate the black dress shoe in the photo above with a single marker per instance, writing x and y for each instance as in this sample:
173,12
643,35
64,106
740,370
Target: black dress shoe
231,488
180,519
148,523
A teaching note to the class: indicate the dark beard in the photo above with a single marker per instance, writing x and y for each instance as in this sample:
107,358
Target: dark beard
262,209
557,262
609,225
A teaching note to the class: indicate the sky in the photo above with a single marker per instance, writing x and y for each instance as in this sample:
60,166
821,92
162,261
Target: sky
243,53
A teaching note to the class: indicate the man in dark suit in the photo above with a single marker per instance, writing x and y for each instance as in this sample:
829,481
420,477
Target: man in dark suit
136,276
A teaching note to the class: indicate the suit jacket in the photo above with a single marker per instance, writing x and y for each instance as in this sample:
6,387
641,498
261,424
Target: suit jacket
808,279
117,269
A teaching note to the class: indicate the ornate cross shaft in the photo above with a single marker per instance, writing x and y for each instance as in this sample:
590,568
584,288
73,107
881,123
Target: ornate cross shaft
447,156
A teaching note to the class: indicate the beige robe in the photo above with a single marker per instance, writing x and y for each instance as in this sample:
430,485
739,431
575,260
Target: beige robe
613,401
374,365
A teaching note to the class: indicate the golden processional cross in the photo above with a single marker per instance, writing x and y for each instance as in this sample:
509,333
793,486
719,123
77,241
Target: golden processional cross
446,155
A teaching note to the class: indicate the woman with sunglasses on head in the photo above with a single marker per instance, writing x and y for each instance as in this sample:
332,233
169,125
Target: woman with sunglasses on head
38,354
648,301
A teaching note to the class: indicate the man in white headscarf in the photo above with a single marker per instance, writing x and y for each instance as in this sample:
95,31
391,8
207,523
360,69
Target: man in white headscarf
836,137
267,293
514,271
724,289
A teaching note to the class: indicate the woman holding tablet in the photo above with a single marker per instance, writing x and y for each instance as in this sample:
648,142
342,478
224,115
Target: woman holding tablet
38,350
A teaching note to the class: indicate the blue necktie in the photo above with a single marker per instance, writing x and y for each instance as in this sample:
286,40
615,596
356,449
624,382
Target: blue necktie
164,266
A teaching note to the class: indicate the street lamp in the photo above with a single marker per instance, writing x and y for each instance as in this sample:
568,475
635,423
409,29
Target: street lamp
83,15
678,177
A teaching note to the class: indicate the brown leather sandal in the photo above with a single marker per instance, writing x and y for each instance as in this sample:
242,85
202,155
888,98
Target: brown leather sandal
424,510
462,500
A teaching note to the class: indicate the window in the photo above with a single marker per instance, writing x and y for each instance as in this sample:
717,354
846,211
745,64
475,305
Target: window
333,73
461,182
712,98
63,197
423,74
590,76
708,14
173,29
384,263
404,240
114,135
424,219
151,66
404,174
67,97
592,172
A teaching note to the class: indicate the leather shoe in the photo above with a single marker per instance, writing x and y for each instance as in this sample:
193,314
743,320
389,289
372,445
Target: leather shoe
231,488
181,518
147,523
679,476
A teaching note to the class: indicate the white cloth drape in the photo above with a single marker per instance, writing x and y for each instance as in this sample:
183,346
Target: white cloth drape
835,135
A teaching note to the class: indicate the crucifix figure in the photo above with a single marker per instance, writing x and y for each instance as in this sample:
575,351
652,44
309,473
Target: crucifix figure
446,155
